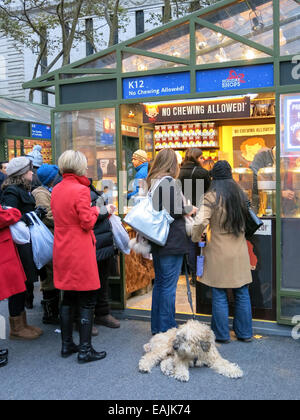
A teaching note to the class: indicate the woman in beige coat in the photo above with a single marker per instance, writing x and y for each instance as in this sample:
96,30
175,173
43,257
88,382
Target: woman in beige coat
46,175
227,264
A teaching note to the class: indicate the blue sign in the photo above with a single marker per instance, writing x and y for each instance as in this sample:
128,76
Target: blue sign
41,131
157,85
246,77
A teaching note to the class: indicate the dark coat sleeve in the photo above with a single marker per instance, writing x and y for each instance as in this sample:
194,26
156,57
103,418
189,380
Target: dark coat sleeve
168,196
9,217
11,197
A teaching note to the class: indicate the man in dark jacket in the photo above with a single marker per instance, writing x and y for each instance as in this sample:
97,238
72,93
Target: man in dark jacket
195,182
104,253
192,171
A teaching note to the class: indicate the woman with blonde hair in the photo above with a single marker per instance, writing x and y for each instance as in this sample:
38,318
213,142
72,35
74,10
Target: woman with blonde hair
75,269
167,259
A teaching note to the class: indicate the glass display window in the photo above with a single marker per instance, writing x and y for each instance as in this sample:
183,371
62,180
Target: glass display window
290,155
28,145
93,133
108,61
133,63
254,165
213,47
10,149
253,20
289,27
174,42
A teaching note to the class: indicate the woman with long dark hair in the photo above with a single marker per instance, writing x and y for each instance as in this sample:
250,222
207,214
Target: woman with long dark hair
227,264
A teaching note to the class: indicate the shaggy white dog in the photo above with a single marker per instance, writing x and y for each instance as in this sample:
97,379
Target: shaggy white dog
192,344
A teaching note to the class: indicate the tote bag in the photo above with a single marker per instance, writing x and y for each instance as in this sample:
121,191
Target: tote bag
20,233
42,241
151,224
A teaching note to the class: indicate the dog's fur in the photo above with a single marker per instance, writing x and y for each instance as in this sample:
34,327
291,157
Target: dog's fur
192,344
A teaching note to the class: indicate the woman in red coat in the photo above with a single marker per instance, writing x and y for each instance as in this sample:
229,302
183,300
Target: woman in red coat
75,269
12,276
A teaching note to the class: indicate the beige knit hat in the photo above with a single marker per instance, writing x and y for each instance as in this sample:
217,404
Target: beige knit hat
140,155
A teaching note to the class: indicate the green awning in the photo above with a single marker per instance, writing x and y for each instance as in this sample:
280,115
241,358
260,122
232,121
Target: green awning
16,110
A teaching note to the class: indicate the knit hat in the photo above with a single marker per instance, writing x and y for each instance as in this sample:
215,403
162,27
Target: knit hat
140,155
46,173
35,156
18,166
222,170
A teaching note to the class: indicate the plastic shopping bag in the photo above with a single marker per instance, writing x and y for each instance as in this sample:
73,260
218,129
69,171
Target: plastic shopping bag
20,233
42,241
121,237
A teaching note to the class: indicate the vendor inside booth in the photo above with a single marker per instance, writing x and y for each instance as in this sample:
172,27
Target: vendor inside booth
224,79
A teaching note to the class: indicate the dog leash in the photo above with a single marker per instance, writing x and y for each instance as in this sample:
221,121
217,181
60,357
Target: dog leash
189,293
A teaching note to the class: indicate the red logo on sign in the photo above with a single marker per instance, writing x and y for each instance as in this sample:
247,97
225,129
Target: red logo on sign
234,76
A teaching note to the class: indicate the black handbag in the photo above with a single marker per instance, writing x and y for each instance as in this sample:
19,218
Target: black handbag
253,223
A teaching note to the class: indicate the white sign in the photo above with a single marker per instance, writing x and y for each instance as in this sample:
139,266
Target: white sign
266,228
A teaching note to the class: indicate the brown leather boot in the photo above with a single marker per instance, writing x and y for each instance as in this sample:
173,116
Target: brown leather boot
18,331
108,321
36,330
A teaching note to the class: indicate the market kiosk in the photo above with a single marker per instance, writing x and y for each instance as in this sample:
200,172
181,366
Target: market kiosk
224,79
22,126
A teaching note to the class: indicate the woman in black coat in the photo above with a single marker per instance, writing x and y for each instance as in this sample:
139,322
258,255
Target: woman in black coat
195,181
104,252
16,193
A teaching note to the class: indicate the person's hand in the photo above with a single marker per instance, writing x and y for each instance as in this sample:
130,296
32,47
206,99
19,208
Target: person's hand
192,212
26,220
288,194
41,212
110,208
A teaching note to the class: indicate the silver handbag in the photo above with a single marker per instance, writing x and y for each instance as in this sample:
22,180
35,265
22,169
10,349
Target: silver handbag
151,224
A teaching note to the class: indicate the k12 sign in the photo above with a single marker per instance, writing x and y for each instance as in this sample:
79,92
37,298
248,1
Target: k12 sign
246,77
157,85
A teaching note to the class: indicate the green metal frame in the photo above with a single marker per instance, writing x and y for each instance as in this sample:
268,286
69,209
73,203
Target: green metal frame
189,65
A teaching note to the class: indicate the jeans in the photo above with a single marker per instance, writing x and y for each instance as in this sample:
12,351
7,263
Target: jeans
242,324
167,271
192,257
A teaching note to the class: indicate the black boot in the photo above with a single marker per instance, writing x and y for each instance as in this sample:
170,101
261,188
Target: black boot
66,322
51,311
3,358
29,300
86,352
193,280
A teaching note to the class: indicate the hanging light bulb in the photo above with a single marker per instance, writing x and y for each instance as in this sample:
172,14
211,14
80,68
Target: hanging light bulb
175,53
282,38
257,24
221,56
201,45
249,54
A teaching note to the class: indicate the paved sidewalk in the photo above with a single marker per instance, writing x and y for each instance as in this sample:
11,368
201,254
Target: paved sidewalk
37,372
